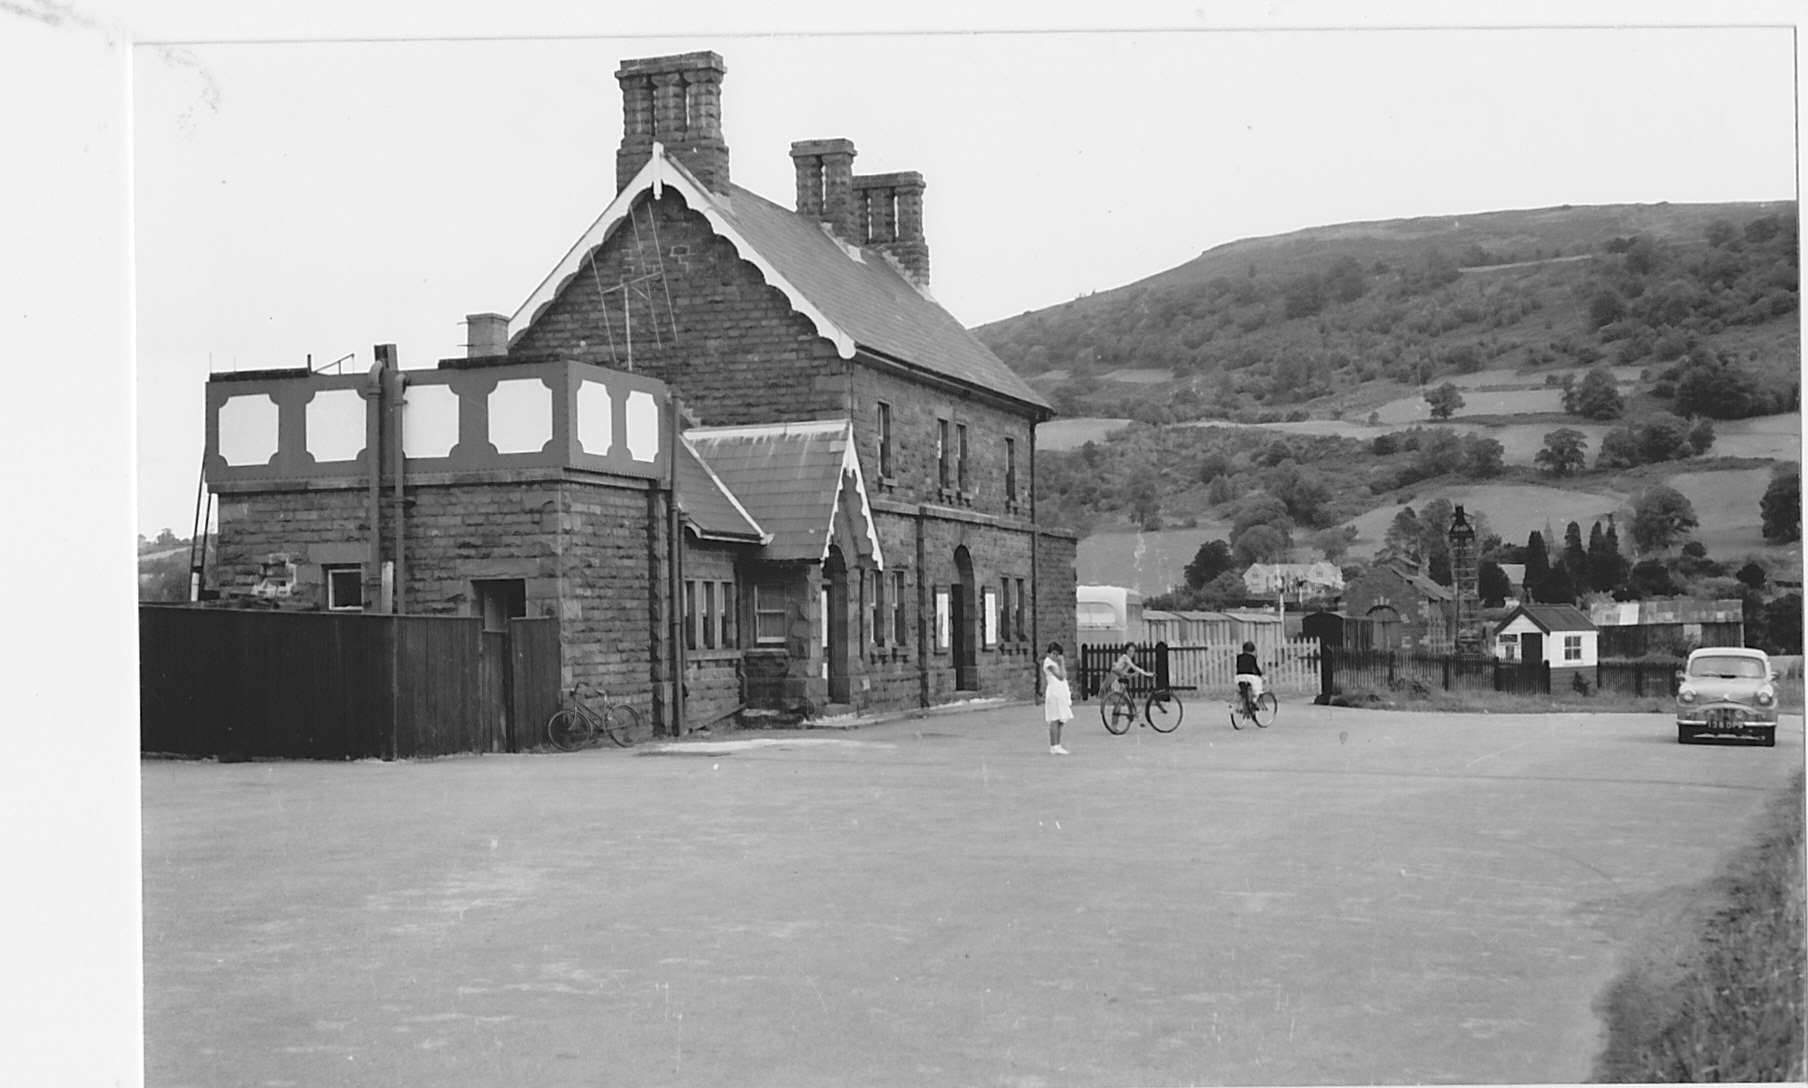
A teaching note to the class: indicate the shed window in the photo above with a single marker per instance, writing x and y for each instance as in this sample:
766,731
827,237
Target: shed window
344,588
1572,647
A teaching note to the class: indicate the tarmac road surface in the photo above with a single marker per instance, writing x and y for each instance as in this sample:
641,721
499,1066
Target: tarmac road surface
1349,897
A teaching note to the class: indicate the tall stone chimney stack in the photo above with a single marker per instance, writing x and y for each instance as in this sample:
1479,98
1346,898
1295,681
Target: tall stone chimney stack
675,101
890,208
825,185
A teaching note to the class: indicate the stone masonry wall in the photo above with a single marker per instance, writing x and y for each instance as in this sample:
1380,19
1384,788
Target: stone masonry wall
915,410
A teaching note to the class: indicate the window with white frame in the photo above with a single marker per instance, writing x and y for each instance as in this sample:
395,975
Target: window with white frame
1509,646
991,617
1572,647
768,614
943,619
344,587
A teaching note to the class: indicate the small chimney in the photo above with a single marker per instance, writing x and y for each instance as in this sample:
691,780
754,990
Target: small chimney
675,101
486,335
825,185
890,213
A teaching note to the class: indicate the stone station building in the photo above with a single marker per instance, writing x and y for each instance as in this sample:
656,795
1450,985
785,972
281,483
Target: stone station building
854,525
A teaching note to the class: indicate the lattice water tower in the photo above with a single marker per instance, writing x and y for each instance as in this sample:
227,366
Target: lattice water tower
1468,584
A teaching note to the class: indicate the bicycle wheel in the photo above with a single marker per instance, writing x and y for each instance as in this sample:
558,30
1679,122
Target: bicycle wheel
1236,716
1163,711
623,725
1117,711
1266,707
568,730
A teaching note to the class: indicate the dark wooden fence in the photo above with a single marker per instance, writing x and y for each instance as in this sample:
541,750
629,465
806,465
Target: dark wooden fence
1639,679
1393,670
324,685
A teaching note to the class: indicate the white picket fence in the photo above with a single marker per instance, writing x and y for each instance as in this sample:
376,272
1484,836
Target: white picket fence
1211,669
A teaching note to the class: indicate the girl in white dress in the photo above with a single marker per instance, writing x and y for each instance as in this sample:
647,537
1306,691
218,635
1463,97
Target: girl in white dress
1057,700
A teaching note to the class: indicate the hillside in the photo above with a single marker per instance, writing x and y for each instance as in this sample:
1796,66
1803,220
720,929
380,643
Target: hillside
1297,381
1335,320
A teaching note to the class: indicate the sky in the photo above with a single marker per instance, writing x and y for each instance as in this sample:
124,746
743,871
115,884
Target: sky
211,184
305,200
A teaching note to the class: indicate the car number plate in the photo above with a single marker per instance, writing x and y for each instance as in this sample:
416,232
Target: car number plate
1725,718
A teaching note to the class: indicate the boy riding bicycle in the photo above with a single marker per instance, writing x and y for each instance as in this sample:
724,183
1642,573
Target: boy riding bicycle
1248,675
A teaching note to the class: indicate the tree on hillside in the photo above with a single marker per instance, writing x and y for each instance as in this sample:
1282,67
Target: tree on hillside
1783,620
1444,401
1661,516
1597,396
1212,559
1145,502
1537,566
1619,449
1720,387
1493,584
1402,538
1335,541
1434,539
1483,457
1565,452
1258,508
1259,544
1227,586
1665,438
1781,506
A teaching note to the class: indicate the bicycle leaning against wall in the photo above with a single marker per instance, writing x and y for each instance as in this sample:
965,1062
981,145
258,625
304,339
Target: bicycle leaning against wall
577,724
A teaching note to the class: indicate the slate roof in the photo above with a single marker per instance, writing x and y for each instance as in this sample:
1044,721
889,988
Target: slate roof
1551,617
709,508
1421,582
858,303
790,478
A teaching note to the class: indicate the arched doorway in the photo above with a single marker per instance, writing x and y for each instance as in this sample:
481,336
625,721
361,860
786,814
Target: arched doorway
835,620
965,617
1385,622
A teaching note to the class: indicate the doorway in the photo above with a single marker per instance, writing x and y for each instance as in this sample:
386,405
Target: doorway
497,601
965,617
835,592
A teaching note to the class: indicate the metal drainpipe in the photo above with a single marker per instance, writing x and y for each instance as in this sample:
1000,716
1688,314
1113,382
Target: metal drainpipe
394,383
1036,575
924,618
676,566
373,449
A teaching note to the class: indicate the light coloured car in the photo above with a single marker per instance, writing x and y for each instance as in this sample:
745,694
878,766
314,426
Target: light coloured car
1726,691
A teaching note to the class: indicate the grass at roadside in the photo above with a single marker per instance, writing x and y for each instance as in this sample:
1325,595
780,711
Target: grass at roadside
1562,700
1736,1011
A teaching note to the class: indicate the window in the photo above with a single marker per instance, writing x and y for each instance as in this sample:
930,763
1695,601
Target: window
1572,647
768,614
1010,471
691,619
1509,647
344,588
881,617
1004,609
991,617
712,618
943,621
942,453
960,431
1022,631
900,636
730,638
884,423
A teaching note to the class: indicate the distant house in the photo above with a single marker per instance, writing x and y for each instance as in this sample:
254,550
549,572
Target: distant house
1298,582
1406,609
1558,634
1636,628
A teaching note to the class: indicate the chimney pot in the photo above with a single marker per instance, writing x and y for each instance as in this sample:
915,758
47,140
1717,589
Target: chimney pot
825,185
675,101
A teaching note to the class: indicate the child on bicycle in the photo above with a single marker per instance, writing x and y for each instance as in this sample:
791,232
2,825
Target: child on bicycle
1122,670
1248,672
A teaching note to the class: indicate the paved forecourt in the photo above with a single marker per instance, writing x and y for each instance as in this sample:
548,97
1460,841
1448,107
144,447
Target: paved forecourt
1348,897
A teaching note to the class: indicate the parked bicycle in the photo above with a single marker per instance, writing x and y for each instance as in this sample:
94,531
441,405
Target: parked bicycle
576,724
1260,709
1161,709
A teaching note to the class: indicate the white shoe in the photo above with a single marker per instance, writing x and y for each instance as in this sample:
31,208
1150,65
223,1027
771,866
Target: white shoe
1057,750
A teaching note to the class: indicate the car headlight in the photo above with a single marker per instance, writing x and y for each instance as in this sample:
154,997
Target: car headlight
1685,695
1766,697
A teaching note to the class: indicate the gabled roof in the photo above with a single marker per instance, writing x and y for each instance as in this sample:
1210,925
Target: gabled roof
710,510
854,297
1420,582
798,482
1550,618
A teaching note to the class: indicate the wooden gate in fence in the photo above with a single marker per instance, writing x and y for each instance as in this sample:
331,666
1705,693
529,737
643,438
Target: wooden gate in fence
325,685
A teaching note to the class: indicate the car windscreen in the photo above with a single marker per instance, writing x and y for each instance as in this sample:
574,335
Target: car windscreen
1729,668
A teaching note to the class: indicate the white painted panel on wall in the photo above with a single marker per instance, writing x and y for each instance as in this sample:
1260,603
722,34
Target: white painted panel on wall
520,416
429,420
248,429
596,418
643,426
336,425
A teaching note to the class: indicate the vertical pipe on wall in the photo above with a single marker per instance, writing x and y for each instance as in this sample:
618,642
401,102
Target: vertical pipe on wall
373,452
393,385
675,564
923,618
1036,577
